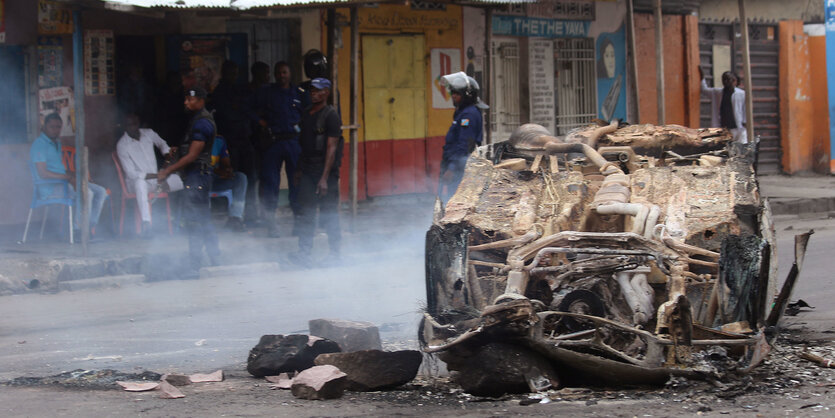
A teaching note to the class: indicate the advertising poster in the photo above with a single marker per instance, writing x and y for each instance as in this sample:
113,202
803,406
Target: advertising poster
2,21
611,75
444,61
50,62
58,99
200,61
54,18
99,76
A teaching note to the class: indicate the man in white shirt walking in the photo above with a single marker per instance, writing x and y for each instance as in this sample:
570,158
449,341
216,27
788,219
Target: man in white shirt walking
139,164
727,106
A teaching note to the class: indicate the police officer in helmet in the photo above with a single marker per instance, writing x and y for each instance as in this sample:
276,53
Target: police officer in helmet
195,162
465,133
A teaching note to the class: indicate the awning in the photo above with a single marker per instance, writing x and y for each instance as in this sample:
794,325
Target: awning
253,4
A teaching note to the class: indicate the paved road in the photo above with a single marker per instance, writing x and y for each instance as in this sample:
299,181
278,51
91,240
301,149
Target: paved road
203,325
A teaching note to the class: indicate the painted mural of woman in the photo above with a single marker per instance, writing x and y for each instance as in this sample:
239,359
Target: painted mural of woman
606,63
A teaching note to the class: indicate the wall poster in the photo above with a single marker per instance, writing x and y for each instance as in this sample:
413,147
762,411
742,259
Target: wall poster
60,100
99,75
50,61
444,61
611,75
54,18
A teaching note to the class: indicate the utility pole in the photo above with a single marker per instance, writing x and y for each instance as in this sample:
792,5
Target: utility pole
659,61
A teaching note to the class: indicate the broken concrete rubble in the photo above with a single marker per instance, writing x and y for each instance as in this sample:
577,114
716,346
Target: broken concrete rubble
216,376
620,263
319,382
350,335
275,354
169,391
176,379
282,381
371,370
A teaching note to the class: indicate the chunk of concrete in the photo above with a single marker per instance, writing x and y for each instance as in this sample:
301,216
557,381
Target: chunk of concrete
176,379
169,391
282,381
216,376
319,382
370,370
276,354
350,335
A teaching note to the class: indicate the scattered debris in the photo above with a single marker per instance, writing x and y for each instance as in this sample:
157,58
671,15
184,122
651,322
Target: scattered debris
87,379
211,377
282,381
350,335
169,391
138,386
176,379
200,343
794,308
277,354
823,362
319,382
370,370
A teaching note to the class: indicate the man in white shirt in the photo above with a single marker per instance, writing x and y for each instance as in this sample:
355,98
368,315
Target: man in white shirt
727,106
139,164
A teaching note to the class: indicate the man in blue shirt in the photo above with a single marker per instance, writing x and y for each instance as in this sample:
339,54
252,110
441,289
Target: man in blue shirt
464,134
196,163
45,154
277,109
225,178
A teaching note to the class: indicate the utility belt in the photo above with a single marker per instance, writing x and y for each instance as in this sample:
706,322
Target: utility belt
268,138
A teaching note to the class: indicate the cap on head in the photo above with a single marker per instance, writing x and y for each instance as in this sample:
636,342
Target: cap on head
197,91
320,83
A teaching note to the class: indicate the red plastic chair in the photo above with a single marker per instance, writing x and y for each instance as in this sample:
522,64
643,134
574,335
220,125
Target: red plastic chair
68,158
126,196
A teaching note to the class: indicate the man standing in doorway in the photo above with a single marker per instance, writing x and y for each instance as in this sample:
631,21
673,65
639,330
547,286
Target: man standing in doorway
278,111
318,172
196,163
464,134
727,106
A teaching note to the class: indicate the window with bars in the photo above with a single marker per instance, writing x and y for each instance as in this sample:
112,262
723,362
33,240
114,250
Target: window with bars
504,113
575,83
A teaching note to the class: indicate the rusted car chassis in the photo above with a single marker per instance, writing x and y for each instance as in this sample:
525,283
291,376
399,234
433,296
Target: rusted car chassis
610,256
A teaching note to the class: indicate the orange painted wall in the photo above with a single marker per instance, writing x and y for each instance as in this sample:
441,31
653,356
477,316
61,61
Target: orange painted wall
820,105
796,110
680,52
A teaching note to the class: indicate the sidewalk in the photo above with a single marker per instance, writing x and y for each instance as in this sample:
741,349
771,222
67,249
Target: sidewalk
800,194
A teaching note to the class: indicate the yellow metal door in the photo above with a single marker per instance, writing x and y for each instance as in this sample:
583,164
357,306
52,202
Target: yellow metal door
394,91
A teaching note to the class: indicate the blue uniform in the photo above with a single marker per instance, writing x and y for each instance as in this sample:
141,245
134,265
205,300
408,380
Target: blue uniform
465,133
237,183
281,109
197,179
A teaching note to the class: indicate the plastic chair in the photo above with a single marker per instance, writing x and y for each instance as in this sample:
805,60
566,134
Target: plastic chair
224,193
37,202
126,196
68,158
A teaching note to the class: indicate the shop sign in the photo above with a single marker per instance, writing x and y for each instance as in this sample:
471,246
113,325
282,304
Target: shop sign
54,18
539,27
99,76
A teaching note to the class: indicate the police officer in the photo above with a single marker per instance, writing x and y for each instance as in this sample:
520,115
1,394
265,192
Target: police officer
195,162
278,111
464,134
318,172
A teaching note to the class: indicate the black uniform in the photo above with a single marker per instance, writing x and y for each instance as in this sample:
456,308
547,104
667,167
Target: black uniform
197,179
315,130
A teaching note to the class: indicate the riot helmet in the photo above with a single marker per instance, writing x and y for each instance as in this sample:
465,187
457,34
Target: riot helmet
466,86
315,64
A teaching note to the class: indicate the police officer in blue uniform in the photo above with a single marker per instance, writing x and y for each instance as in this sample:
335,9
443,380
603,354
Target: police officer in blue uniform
465,133
196,163
278,110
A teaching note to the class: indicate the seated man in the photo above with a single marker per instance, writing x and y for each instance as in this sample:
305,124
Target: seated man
223,178
139,163
46,156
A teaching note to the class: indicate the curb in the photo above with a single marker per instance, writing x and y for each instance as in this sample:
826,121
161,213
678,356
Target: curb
788,206
100,282
238,270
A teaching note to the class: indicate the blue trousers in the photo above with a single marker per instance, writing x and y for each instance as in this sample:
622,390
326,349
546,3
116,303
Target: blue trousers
286,152
238,185
197,217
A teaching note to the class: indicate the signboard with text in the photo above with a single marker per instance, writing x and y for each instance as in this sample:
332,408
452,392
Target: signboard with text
540,27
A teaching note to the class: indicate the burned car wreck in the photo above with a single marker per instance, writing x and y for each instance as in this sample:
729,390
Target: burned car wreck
610,256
